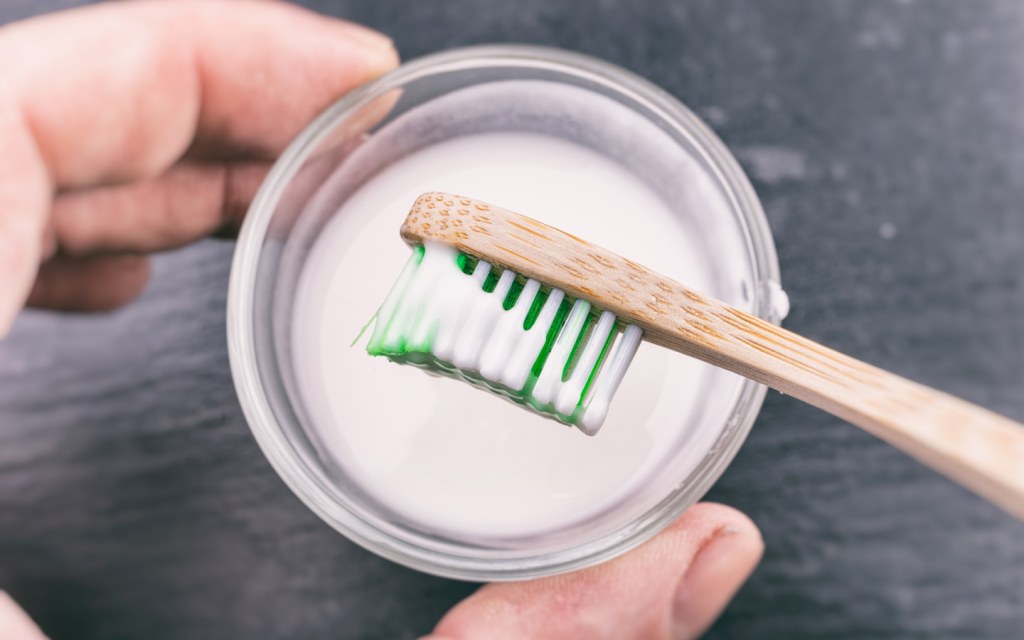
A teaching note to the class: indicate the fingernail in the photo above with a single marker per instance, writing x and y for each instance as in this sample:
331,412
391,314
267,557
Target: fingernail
716,573
383,61
367,37
376,49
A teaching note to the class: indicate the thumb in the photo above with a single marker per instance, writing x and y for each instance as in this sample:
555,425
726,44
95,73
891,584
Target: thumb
14,624
673,586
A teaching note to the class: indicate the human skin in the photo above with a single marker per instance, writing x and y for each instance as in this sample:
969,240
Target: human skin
155,133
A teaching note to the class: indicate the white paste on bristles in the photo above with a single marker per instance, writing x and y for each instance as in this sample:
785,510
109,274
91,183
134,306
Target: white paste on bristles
435,308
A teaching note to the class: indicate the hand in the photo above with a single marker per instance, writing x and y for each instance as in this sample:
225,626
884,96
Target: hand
139,127
674,586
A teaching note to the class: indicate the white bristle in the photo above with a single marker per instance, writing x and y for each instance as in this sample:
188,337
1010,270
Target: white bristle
521,361
550,380
448,333
474,334
569,395
480,273
416,293
387,310
607,383
504,284
508,334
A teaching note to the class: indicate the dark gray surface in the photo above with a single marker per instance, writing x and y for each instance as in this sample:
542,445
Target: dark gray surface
886,140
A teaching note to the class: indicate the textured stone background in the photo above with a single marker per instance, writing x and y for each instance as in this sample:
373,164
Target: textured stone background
886,140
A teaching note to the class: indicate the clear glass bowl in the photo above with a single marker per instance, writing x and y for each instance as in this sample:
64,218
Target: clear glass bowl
300,194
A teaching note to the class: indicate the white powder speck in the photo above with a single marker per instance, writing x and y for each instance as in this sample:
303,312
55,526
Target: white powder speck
714,115
887,231
882,36
774,164
839,171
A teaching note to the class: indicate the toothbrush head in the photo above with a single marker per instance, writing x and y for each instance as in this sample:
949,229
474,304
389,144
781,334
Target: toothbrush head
455,314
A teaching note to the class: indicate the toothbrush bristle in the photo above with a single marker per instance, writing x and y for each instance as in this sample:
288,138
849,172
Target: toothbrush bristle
452,314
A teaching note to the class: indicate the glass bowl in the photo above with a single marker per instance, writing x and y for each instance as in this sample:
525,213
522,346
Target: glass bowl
428,101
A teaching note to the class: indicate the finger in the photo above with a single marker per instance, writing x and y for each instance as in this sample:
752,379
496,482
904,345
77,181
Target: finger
142,82
188,202
674,586
98,283
714,576
24,199
14,623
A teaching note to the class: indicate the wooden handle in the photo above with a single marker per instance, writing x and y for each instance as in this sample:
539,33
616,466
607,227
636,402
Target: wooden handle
981,450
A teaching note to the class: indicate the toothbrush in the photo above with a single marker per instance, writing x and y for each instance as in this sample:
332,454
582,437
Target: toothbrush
551,322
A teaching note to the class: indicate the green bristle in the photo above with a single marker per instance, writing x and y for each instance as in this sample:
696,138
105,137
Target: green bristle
466,262
597,365
556,326
492,280
513,294
574,355
538,304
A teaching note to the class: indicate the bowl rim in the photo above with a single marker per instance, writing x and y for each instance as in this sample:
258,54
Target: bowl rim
242,348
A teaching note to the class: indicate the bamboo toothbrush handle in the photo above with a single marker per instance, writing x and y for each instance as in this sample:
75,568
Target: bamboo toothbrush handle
981,450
